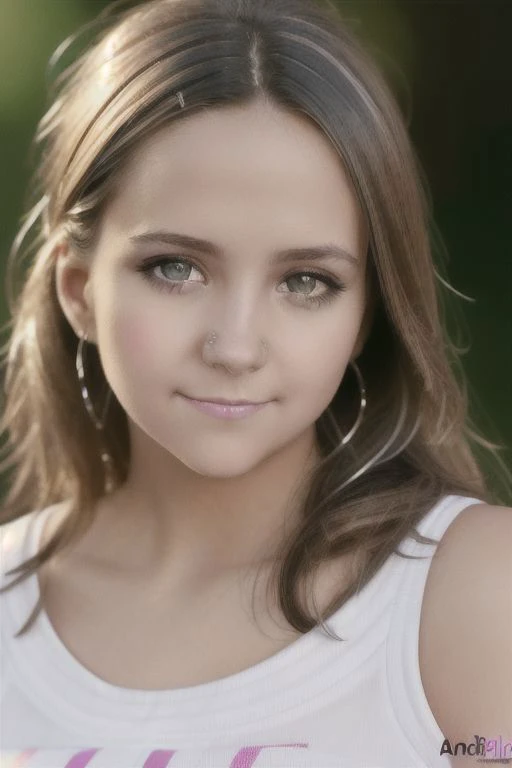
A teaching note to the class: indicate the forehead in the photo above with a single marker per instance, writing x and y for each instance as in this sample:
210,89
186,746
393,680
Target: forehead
258,163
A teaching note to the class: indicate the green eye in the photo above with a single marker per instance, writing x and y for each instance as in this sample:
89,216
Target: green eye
183,267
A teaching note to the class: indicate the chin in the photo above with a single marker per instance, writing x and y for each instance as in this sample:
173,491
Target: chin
229,468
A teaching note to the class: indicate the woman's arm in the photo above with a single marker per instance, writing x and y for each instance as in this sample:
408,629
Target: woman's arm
465,643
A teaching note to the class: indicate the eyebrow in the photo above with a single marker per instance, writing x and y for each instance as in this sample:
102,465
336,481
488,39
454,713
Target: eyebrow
330,251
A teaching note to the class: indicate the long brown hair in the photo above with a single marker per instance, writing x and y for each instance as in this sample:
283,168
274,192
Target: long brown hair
414,444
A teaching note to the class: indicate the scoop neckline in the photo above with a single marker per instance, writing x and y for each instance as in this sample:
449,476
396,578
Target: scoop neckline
347,611
272,691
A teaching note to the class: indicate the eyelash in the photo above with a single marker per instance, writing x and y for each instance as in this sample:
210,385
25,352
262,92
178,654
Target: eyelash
334,288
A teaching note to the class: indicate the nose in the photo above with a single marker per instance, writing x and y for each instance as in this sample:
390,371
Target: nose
236,353
237,344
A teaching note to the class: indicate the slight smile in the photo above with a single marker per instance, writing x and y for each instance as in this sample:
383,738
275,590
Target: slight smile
225,410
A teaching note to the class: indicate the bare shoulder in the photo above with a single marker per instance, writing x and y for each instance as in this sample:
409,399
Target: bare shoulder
465,644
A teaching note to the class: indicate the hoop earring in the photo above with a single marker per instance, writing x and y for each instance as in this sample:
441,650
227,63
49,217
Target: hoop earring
362,407
106,458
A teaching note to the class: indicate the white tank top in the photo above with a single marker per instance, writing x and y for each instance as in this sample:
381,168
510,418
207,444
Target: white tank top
317,703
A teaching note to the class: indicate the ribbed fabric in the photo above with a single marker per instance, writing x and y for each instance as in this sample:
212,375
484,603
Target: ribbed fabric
317,703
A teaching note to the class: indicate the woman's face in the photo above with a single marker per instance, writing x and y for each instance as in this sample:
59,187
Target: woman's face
253,182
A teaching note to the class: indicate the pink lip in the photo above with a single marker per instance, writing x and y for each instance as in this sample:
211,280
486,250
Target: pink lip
222,401
224,410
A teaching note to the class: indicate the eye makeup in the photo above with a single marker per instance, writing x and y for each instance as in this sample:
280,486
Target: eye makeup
149,266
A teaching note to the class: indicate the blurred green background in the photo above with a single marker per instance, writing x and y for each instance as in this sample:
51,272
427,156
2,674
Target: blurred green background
450,65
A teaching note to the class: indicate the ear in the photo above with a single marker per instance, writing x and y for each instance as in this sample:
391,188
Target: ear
74,290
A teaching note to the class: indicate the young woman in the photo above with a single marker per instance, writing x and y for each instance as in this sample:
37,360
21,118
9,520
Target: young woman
236,433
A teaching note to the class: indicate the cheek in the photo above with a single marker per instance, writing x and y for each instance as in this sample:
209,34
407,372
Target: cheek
319,368
134,336
128,337
321,358
324,375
